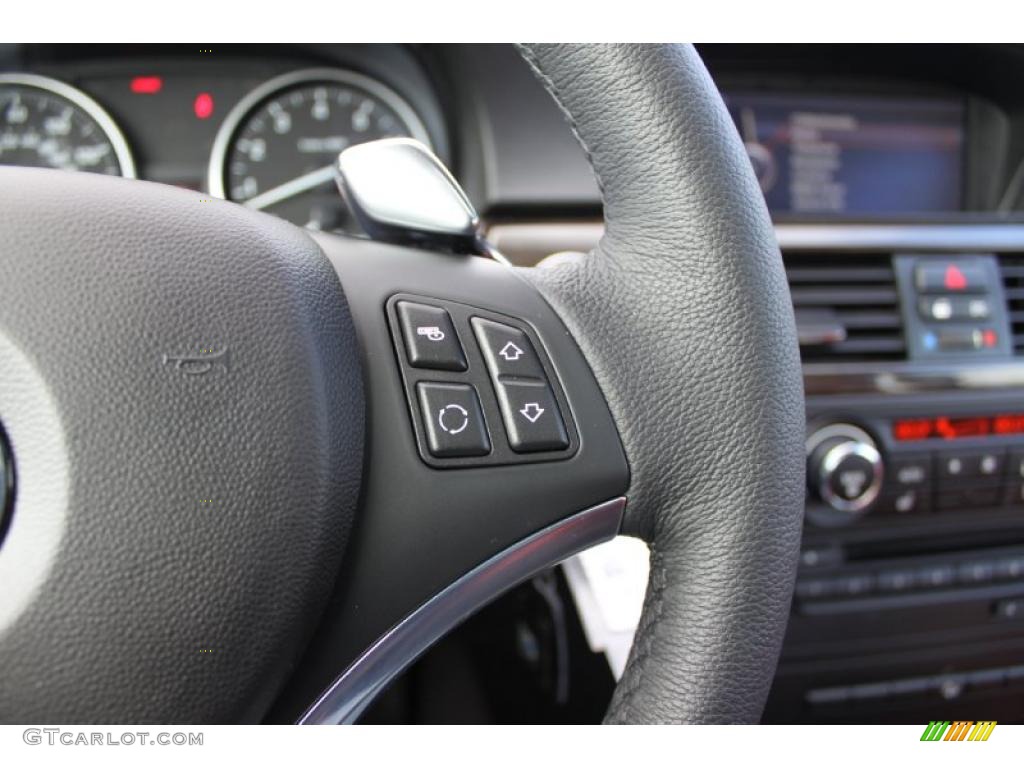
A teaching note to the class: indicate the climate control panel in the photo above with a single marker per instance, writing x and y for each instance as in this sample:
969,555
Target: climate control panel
913,466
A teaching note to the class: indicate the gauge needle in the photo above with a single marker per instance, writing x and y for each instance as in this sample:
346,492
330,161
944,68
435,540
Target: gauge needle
291,188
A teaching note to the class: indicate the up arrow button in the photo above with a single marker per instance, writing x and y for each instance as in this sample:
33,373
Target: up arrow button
507,350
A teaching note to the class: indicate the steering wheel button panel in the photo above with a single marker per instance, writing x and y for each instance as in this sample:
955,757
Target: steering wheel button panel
507,350
430,337
453,420
531,416
526,415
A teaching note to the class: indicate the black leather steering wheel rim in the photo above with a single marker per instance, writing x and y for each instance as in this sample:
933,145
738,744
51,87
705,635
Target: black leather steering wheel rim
223,494
683,311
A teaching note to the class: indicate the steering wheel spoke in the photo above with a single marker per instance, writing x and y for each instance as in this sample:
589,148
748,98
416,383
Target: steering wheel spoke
491,455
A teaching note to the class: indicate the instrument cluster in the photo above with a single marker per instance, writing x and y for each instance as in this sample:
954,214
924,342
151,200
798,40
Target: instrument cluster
266,142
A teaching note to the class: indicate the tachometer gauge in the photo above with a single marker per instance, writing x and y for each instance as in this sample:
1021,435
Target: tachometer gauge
277,148
49,124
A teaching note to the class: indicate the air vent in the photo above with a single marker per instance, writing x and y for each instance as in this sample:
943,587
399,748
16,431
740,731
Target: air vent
1012,266
847,307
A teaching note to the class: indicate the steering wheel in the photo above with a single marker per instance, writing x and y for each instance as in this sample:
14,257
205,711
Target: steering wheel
256,472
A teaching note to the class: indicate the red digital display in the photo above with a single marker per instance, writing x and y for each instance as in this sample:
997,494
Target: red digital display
946,428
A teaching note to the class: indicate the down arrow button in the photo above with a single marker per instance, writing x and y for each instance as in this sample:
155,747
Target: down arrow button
531,416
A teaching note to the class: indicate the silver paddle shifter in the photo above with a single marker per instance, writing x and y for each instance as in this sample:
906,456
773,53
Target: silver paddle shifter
400,192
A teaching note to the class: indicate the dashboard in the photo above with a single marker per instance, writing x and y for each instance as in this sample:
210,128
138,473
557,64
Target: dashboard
261,131
895,177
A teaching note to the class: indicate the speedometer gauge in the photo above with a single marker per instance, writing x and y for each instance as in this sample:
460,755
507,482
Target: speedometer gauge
49,124
277,148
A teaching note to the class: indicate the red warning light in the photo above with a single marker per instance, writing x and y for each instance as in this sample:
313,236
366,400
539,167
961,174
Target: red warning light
147,84
955,280
989,338
203,106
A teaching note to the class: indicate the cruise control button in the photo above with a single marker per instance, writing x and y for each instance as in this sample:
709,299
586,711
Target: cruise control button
430,338
453,419
531,416
507,350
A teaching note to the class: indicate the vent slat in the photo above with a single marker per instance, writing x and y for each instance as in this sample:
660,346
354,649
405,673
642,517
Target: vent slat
858,319
870,345
812,274
1012,268
847,307
841,295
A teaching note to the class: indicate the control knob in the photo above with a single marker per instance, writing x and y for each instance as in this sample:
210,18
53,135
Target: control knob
844,468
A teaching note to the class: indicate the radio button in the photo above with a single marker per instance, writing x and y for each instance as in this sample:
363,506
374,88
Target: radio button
856,585
911,471
991,464
1009,609
906,502
895,581
987,464
975,572
1016,465
1010,568
812,589
935,576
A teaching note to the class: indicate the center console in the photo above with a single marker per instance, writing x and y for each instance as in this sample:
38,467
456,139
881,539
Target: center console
895,215
909,603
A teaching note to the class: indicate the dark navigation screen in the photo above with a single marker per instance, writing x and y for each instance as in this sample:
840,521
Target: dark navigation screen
845,155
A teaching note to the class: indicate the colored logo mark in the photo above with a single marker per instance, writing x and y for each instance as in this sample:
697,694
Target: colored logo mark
959,730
